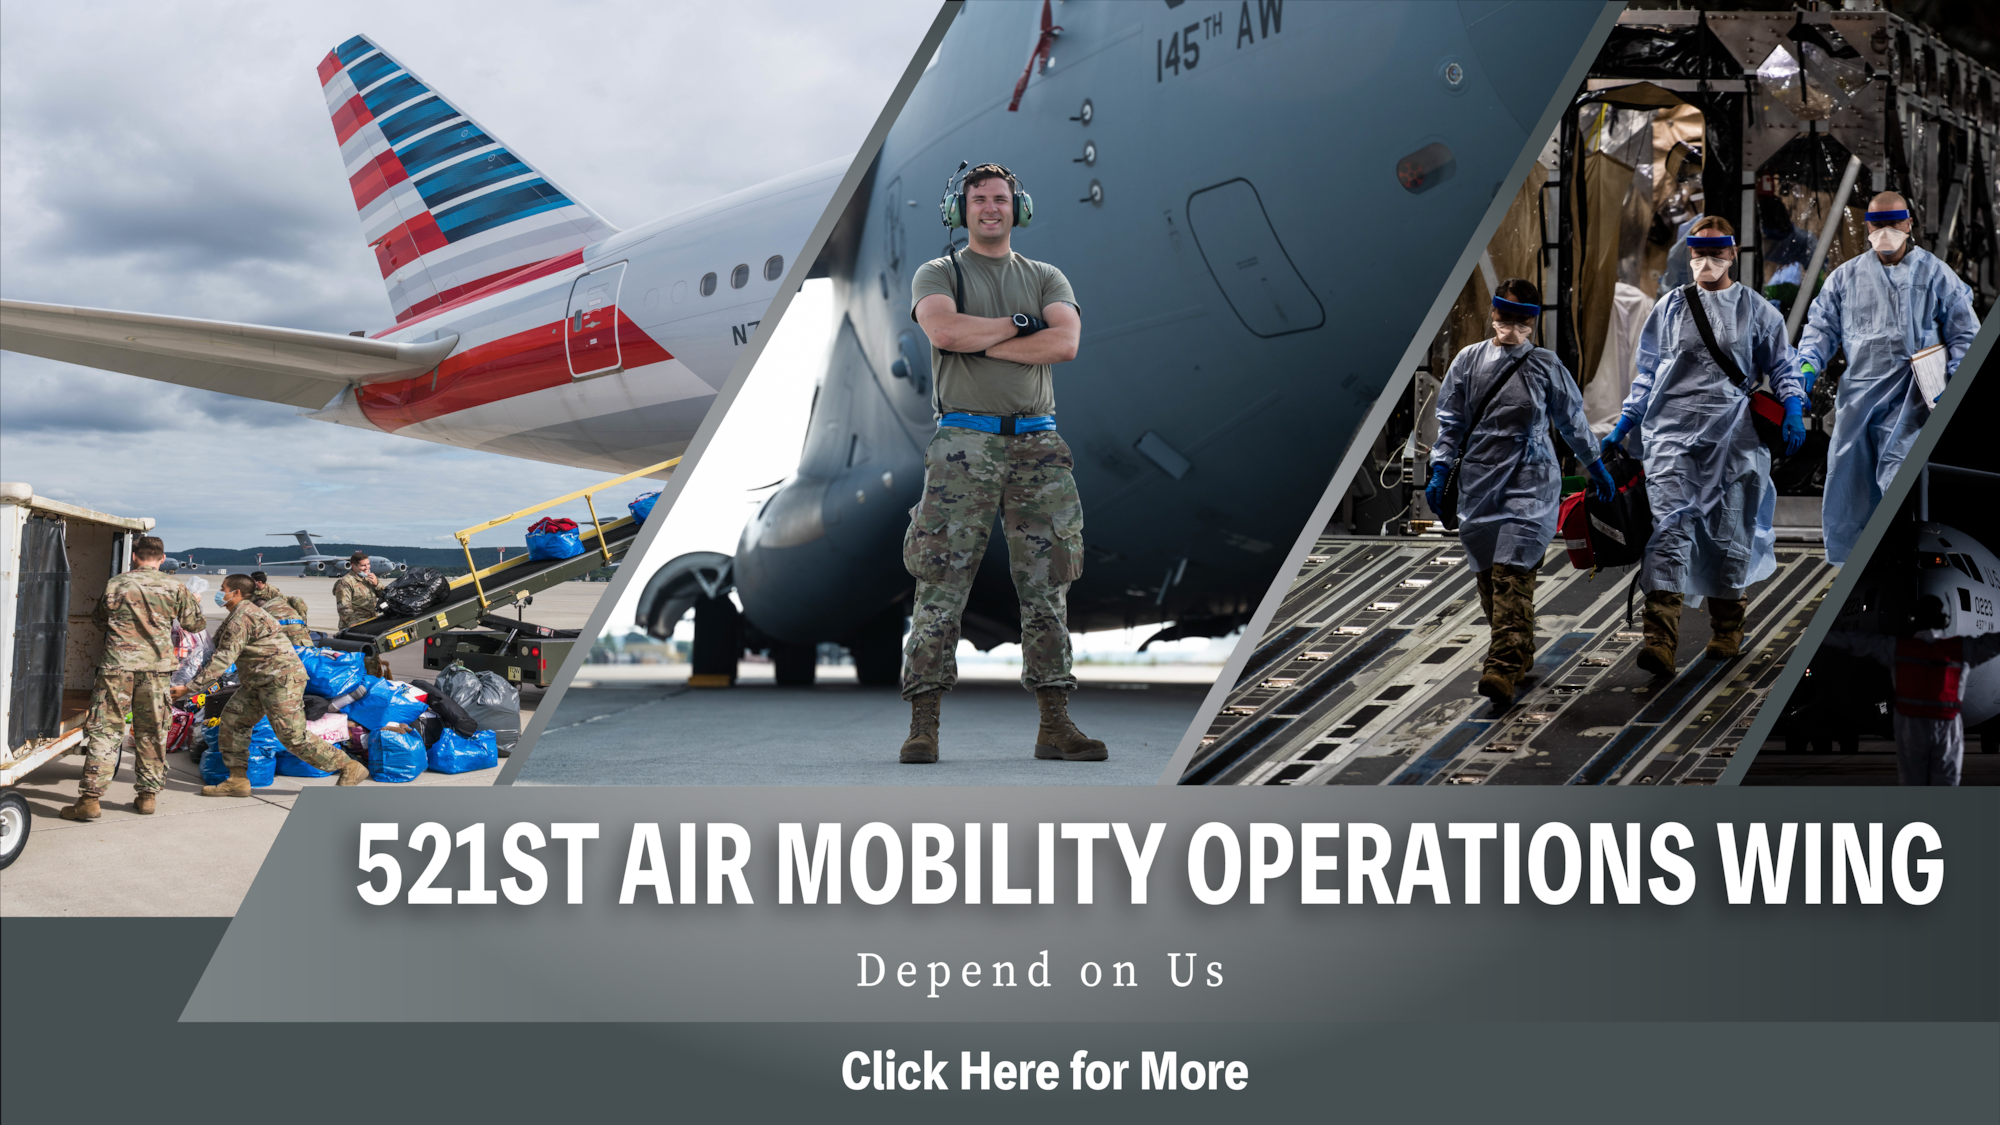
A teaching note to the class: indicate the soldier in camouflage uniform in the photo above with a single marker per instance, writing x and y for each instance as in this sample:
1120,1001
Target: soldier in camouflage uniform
273,687
357,597
288,611
995,454
137,614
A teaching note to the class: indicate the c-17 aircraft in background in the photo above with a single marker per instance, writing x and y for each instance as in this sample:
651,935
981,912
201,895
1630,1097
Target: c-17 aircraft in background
1257,204
311,561
525,323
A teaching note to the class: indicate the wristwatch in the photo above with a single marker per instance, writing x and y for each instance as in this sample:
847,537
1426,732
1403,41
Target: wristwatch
1026,325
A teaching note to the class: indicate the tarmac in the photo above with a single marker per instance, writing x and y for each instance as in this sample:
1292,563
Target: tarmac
197,855
839,733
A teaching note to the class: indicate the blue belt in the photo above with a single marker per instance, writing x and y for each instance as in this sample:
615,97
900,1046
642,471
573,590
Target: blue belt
1006,424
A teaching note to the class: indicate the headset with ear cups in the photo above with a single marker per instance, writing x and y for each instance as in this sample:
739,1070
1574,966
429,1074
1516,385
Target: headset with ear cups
952,207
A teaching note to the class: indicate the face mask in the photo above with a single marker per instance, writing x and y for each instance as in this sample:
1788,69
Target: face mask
1710,269
219,601
1887,240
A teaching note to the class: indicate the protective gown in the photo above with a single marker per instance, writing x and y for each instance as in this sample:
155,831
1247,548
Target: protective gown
1708,478
1510,485
1882,315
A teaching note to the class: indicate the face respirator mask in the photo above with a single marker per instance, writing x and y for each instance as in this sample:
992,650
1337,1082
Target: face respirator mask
1888,240
1710,269
219,601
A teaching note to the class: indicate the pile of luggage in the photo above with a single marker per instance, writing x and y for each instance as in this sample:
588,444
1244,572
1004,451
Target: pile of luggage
464,721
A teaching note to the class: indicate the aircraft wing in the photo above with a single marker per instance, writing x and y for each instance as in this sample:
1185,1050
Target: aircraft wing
288,365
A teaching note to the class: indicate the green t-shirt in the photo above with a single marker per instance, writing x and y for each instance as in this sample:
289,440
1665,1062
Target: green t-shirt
977,384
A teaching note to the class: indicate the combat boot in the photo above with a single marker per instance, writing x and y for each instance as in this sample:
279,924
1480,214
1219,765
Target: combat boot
1663,632
1058,736
84,809
145,804
921,748
238,785
1725,626
1498,688
353,773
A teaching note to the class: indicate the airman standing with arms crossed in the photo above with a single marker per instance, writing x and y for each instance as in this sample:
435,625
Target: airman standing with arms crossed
274,687
134,676
997,322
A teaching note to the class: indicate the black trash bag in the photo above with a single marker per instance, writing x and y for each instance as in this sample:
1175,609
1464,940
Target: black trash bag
315,707
492,702
451,713
430,726
415,593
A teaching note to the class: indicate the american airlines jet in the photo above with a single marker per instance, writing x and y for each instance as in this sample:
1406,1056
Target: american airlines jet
525,323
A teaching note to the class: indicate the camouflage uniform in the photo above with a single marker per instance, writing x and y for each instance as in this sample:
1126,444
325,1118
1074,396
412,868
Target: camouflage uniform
1507,594
969,477
289,613
274,687
137,614
357,597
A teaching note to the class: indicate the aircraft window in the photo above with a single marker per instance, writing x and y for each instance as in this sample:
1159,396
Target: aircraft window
1933,562
1972,568
739,277
708,285
1965,599
774,267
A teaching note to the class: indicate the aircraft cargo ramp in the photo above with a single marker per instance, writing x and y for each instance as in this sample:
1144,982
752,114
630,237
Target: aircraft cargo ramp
1366,677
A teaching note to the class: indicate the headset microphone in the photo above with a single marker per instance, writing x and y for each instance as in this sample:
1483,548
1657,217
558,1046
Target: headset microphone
952,207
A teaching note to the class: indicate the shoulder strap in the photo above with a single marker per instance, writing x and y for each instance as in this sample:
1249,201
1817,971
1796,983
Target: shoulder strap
1722,358
1479,413
958,292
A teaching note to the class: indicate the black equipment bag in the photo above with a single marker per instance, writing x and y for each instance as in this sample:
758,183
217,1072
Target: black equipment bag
1766,412
1620,527
1448,509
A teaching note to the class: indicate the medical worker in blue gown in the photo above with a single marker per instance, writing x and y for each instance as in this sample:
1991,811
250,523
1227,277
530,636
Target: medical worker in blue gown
1883,307
1708,475
1510,484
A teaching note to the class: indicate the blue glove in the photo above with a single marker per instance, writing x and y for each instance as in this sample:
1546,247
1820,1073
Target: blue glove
1601,477
1795,424
1807,373
1434,491
1617,434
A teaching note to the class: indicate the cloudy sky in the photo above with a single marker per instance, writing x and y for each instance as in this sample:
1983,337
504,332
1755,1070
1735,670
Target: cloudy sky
177,158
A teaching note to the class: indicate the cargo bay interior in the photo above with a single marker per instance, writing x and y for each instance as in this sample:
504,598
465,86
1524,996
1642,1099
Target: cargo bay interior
1785,122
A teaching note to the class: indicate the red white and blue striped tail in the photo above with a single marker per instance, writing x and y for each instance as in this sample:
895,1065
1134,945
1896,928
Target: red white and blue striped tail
447,208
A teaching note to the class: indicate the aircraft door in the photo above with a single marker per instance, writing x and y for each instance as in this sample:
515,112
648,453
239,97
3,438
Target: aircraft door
590,333
1249,263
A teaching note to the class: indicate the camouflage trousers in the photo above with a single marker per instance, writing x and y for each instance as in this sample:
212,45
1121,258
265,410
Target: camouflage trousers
283,702
1507,594
970,478
145,697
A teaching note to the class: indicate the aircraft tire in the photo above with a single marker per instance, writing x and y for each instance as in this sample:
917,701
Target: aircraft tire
795,665
718,638
878,649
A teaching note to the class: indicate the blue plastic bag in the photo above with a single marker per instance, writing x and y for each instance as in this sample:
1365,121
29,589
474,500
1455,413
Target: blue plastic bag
396,755
263,763
386,702
291,765
454,753
554,539
331,674
643,506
